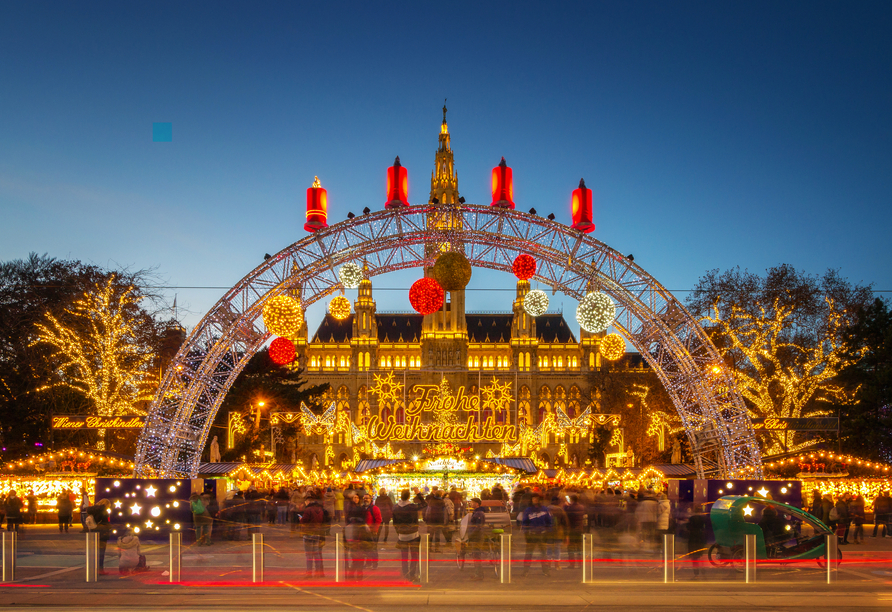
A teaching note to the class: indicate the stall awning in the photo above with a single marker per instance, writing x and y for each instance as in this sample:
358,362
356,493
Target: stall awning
365,465
518,463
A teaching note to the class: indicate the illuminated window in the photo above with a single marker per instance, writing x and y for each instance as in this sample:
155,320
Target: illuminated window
528,361
328,361
476,362
470,362
575,362
591,360
382,362
343,362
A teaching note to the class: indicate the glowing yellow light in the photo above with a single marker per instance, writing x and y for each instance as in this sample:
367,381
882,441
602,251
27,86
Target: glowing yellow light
763,492
176,526
535,303
134,509
172,489
350,275
612,347
783,489
156,511
748,511
150,491
339,307
117,483
283,316
176,504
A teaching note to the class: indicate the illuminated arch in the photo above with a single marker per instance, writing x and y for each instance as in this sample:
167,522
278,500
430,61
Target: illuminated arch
648,316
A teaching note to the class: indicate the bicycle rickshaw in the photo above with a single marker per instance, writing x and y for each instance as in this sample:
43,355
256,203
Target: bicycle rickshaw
784,534
498,521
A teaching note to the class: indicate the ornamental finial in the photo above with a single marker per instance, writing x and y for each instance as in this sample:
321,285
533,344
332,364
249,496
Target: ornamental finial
316,183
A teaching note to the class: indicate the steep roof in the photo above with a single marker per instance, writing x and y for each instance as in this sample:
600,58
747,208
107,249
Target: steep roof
495,327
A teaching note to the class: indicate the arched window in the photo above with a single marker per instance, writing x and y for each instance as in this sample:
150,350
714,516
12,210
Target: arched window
574,402
560,399
591,359
544,403
523,404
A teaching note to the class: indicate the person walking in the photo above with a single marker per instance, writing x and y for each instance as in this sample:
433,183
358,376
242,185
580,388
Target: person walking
696,540
213,508
373,519
842,518
856,510
99,513
536,522
882,507
646,514
64,508
664,514
558,532
32,507
405,522
435,517
85,503
385,506
315,522
575,528
475,537
14,506
356,539
201,520
339,504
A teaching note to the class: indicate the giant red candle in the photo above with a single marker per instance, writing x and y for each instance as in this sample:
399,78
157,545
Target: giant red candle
397,185
582,208
317,207
502,186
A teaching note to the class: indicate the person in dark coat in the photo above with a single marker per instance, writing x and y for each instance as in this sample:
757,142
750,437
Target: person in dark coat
64,508
696,540
405,522
575,528
314,524
435,517
536,523
856,509
100,513
882,507
842,519
32,507
475,536
826,507
385,506
13,511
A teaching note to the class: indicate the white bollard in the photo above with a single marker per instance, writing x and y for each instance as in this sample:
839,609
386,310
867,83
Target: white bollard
92,551
176,545
339,554
750,557
9,554
668,557
257,557
587,552
424,558
830,546
505,569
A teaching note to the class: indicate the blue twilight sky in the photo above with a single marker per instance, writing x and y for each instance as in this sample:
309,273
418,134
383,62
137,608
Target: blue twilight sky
713,134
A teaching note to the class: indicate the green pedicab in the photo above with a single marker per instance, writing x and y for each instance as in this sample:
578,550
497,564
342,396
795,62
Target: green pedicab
784,534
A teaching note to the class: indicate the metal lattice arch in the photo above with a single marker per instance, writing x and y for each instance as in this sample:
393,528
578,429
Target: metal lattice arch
648,315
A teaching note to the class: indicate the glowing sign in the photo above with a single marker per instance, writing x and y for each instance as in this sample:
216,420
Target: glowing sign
98,422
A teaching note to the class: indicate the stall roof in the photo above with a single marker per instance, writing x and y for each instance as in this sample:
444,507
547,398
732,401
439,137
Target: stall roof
365,465
518,463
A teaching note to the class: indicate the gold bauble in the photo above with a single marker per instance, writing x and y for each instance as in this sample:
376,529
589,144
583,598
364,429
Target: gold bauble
452,271
613,347
283,316
339,308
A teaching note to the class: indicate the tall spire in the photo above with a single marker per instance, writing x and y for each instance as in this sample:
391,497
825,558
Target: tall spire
444,179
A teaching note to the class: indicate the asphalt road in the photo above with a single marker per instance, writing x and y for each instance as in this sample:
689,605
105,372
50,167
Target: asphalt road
50,572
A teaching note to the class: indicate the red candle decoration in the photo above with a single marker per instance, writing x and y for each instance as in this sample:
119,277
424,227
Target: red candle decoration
524,266
582,208
397,185
317,207
282,351
502,186
426,296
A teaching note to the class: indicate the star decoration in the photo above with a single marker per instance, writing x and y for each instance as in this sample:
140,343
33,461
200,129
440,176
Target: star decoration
763,492
118,504
150,491
135,508
748,511
148,523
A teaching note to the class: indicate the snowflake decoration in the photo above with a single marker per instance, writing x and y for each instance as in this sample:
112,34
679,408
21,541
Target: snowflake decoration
387,388
497,396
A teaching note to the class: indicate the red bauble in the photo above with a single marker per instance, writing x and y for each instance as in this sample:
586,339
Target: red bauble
282,351
524,267
426,296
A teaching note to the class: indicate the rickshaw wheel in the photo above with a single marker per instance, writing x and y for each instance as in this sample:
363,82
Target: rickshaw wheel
822,561
738,562
460,556
716,557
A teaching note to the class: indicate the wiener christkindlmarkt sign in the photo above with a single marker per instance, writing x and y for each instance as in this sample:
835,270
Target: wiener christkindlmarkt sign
72,421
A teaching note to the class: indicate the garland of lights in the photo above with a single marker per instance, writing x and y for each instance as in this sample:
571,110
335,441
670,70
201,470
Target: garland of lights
535,303
613,347
595,312
339,307
426,296
283,316
282,351
350,275
524,266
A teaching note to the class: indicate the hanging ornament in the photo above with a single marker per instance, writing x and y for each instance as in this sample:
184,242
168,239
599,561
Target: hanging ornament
283,316
595,312
535,302
426,296
452,271
524,266
613,347
282,351
339,307
350,275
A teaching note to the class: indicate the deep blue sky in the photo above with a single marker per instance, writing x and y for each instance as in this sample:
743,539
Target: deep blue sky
713,134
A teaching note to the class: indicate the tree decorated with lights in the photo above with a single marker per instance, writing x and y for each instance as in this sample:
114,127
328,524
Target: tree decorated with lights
103,358
782,336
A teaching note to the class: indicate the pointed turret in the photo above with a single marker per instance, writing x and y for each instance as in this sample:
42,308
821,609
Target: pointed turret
444,178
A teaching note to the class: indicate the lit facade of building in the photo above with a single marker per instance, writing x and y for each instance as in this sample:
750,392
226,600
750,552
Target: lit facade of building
538,360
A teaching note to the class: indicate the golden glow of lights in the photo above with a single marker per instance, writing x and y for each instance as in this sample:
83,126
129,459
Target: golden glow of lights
283,316
535,303
748,511
350,275
595,312
150,491
613,347
763,492
339,307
